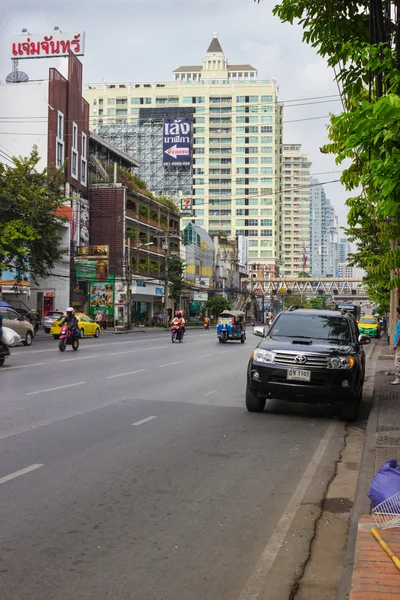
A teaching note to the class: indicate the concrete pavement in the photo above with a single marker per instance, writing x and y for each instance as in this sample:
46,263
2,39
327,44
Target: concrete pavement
131,470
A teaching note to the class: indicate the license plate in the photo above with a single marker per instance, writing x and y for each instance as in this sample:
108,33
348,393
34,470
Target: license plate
299,375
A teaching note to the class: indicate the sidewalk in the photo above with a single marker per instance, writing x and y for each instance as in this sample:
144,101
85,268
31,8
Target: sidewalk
374,575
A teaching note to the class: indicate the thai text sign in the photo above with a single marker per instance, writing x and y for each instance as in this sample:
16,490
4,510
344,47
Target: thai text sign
177,134
47,46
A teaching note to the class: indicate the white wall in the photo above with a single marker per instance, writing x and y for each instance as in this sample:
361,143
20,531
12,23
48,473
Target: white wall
24,112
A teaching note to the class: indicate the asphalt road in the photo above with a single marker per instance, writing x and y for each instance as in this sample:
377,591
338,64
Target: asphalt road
131,470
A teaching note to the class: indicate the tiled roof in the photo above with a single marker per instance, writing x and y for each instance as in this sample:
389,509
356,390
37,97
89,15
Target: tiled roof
241,68
189,69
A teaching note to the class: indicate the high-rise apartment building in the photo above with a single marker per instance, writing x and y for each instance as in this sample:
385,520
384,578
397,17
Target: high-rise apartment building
237,142
295,211
324,233
344,249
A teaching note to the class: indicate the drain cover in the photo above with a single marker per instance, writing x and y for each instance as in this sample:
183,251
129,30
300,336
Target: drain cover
388,436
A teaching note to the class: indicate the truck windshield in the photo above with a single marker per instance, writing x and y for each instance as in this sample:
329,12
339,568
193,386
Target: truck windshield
319,327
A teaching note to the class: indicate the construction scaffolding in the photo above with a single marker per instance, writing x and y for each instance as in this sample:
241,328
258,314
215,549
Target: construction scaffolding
143,140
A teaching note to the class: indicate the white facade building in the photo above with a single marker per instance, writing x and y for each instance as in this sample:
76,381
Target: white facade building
237,142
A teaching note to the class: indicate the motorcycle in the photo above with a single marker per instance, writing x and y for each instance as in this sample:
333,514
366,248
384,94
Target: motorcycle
4,353
207,325
67,338
176,334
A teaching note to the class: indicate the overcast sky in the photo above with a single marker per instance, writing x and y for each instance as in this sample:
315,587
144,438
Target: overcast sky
142,40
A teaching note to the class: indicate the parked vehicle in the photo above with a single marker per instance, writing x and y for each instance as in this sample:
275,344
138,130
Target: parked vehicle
176,334
18,323
311,356
86,326
51,317
231,326
369,325
67,337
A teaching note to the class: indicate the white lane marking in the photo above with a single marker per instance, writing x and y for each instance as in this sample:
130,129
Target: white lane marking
24,366
19,473
258,579
210,393
79,358
61,387
136,350
226,351
177,362
127,373
123,352
143,421
205,356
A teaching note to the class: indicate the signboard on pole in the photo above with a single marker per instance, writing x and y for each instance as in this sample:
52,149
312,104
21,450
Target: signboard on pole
177,142
186,207
47,45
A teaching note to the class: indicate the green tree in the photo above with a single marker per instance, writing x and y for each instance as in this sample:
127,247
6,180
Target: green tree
176,270
217,305
364,52
303,274
29,225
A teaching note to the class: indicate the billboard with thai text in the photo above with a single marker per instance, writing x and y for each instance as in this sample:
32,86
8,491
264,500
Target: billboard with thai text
52,45
177,142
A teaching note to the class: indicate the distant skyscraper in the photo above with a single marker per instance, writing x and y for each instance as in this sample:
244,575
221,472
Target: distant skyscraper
344,249
325,229
295,212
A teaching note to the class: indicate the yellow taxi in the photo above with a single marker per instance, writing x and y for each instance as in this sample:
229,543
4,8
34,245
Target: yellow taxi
86,326
369,325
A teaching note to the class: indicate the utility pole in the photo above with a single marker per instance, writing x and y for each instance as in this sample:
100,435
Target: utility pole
129,284
166,288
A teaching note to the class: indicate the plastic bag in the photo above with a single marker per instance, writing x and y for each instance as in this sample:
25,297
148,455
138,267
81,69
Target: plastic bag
9,337
385,483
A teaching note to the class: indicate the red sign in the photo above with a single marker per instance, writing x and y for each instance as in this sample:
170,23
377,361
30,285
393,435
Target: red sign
47,46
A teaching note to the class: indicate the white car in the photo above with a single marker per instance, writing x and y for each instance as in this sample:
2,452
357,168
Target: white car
50,318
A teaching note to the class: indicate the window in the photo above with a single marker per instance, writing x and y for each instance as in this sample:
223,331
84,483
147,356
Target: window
84,160
240,129
122,111
110,101
199,150
122,101
200,120
135,100
240,150
252,222
266,139
240,140
198,140
187,100
253,170
266,149
252,232
253,119
266,223
199,161
266,99
240,119
240,98
111,111
60,140
253,243
253,99
74,151
266,232
266,160
134,111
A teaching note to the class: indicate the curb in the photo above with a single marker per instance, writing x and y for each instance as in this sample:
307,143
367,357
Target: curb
361,504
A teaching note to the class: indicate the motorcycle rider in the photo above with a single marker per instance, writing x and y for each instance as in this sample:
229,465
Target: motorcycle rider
206,322
180,321
71,321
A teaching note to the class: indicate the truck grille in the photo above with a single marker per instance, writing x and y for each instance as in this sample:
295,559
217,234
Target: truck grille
312,360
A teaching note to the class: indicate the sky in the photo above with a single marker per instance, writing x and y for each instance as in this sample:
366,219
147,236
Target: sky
145,40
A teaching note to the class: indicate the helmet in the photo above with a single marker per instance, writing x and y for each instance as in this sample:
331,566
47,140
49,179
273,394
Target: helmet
70,310
179,313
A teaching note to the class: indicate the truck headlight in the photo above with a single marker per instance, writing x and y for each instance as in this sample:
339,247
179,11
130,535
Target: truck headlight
341,362
263,356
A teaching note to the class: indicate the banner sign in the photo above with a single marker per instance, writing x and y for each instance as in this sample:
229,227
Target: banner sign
101,296
200,296
177,143
92,252
47,46
186,206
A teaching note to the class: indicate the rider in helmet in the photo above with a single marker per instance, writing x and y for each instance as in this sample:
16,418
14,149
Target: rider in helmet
71,321
179,320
